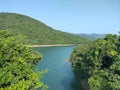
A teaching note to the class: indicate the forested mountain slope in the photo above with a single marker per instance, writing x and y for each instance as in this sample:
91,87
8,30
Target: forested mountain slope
35,31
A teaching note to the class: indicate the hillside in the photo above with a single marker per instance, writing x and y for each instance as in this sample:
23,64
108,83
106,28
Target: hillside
35,31
93,36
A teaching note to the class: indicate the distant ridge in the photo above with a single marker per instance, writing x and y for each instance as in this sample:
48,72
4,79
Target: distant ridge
92,36
35,31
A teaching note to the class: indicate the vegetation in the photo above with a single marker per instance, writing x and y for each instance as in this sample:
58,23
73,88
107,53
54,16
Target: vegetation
34,31
99,63
16,65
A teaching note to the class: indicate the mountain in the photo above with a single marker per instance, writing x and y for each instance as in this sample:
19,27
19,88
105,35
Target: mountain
35,31
93,36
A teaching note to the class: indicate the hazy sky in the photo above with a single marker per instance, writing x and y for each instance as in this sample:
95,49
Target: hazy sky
75,16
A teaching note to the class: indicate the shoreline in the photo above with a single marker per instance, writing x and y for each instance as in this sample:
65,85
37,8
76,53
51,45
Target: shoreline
50,45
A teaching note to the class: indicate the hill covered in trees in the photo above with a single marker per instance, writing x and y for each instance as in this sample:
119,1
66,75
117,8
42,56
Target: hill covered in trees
35,31
99,63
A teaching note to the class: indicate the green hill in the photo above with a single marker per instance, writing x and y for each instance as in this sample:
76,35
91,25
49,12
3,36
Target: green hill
35,31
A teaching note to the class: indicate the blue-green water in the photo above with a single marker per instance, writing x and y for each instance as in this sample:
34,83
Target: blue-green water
60,75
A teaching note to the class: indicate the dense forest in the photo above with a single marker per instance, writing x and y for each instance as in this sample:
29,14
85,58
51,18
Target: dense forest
17,63
36,32
98,63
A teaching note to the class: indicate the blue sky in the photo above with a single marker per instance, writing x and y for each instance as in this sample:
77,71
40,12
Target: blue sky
74,16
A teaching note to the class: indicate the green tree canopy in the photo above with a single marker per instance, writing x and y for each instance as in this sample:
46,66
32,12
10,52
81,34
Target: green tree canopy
99,63
16,65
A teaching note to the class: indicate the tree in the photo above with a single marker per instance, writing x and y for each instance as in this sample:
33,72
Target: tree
102,59
16,65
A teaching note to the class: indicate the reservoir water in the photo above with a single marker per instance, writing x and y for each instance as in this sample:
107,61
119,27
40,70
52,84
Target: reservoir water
60,75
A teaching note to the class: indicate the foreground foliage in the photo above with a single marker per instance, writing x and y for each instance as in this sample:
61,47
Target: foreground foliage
99,63
16,65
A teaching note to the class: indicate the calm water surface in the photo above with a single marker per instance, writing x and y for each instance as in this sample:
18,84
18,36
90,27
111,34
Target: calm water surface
60,75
